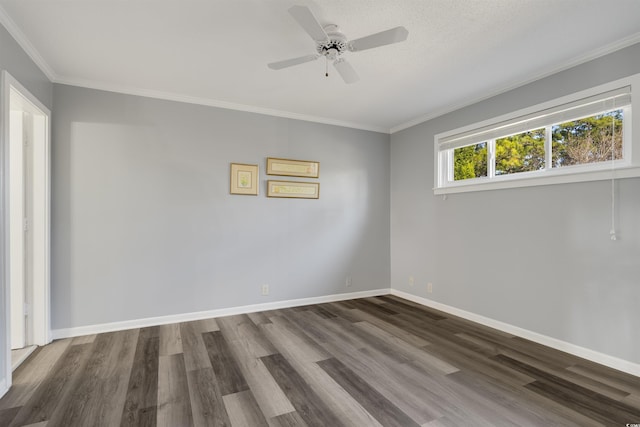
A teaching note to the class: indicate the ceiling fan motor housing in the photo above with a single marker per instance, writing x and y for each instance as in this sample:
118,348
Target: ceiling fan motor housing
335,45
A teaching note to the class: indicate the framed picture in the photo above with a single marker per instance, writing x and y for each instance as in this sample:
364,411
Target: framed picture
244,179
293,189
287,167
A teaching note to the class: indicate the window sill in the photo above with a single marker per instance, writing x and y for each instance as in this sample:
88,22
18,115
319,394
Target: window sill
515,181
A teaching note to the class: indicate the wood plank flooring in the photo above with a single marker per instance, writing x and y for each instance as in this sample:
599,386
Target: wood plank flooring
380,361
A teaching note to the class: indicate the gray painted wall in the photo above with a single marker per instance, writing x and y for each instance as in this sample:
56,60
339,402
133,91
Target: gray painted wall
144,225
22,68
540,257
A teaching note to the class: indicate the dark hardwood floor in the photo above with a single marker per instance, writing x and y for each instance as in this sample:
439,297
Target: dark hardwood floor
380,361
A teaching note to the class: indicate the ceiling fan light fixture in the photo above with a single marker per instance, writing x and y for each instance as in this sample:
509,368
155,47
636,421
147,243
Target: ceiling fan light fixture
334,45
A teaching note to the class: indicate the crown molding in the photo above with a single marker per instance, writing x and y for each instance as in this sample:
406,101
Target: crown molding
38,59
169,96
581,59
33,53
25,44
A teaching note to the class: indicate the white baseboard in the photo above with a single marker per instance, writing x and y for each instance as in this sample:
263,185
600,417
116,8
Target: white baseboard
576,350
3,387
594,356
186,317
24,355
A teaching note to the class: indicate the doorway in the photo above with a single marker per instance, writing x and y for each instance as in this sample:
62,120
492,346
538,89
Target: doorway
26,206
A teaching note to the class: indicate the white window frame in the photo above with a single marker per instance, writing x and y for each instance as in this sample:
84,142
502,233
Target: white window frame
627,167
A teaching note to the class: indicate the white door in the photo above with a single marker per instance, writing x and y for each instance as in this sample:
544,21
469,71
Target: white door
28,193
17,238
25,177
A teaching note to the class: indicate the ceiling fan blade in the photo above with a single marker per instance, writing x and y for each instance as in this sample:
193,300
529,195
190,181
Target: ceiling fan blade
308,22
346,71
394,35
291,62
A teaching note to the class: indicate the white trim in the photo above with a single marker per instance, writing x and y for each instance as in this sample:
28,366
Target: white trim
187,317
514,181
41,223
595,54
39,60
41,230
605,50
23,356
41,328
5,369
576,350
597,357
26,44
16,210
169,96
3,387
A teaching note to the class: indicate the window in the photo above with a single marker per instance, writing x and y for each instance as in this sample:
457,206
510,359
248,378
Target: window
588,140
470,161
581,137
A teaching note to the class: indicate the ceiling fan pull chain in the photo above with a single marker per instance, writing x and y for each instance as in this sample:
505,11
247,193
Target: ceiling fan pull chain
326,66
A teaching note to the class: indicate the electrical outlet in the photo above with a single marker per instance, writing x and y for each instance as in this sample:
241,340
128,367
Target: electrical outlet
265,289
429,287
411,281
348,282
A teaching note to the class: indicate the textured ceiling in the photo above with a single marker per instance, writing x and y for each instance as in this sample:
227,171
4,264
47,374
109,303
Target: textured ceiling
215,52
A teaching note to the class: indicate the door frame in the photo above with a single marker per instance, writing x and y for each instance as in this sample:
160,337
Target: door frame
40,228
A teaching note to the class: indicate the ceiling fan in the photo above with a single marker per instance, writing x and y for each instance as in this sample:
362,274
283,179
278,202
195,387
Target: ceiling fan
331,43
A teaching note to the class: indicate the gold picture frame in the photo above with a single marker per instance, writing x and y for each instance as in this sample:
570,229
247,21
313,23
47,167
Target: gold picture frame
293,189
289,167
244,179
